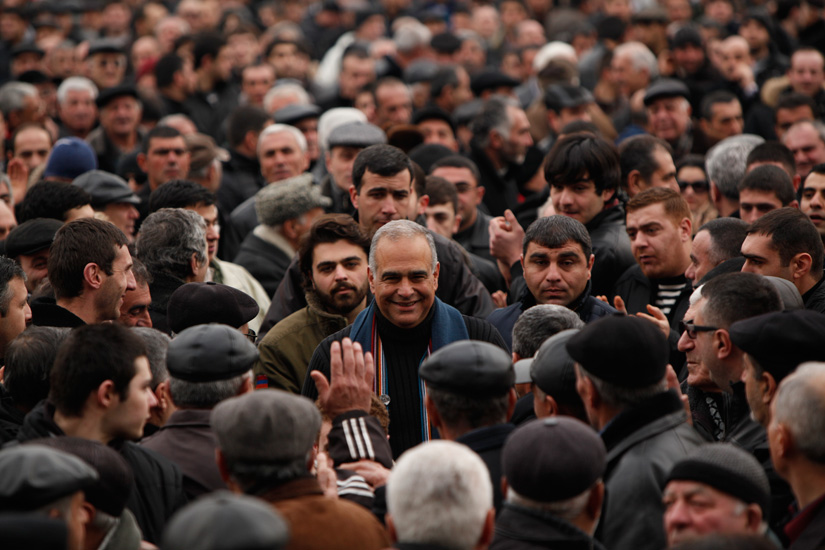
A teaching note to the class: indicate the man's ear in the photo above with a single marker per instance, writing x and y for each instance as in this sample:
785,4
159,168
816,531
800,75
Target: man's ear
250,140
141,160
106,394
634,182
685,227
93,275
432,412
801,265
595,501
768,387
723,344
753,514
353,196
193,264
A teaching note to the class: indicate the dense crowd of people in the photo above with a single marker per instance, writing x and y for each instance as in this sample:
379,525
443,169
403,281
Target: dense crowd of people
414,274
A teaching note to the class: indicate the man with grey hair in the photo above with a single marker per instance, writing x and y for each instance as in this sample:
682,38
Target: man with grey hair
283,94
286,212
172,246
20,103
726,164
76,106
207,364
634,67
798,450
501,140
402,326
439,494
265,447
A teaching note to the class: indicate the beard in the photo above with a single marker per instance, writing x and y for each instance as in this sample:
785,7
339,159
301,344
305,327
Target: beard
342,303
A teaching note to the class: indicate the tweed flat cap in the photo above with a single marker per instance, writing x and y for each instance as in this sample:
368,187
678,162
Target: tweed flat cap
470,368
553,459
356,134
32,476
288,199
266,426
225,521
31,236
106,188
208,353
781,340
203,303
623,350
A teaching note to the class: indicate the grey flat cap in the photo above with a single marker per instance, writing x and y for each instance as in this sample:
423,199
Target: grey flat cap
223,521
564,96
471,368
206,353
296,113
32,476
356,134
288,199
266,426
666,87
106,188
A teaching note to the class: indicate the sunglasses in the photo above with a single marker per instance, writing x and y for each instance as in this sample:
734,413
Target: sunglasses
700,186
692,330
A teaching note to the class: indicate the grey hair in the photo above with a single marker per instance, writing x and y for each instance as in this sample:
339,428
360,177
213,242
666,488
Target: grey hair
277,129
287,89
13,96
204,395
801,408
167,240
493,116
725,162
618,397
157,345
640,57
75,84
409,37
440,492
402,229
568,509
539,323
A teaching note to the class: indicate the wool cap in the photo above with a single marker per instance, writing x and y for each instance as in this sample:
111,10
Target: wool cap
288,199
70,157
623,350
208,353
470,368
553,459
728,469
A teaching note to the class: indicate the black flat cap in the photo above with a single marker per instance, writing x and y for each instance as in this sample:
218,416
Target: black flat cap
356,134
109,94
31,236
780,341
105,188
564,96
470,368
296,113
623,350
445,43
686,36
433,112
664,88
27,47
208,353
553,369
490,80
553,459
105,46
224,521
32,476
203,303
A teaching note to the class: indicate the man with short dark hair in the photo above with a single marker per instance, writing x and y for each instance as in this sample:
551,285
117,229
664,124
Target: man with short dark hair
721,117
343,145
716,242
90,270
646,162
242,172
393,102
15,313
785,243
134,312
175,81
790,109
215,95
765,188
164,157
806,140
813,197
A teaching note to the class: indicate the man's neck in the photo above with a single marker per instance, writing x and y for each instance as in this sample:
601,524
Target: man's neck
468,223
206,83
84,426
807,482
806,283
83,308
354,313
174,93
495,159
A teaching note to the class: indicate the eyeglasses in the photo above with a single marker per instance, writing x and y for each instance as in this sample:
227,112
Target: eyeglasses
692,330
251,335
700,186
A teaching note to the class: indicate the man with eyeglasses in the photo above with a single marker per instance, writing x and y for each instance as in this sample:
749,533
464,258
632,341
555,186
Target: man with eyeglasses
118,134
106,63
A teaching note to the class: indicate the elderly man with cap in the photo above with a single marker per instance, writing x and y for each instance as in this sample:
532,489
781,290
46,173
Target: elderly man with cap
225,520
106,63
286,212
208,363
120,112
565,103
47,482
717,489
305,118
343,145
203,303
621,367
668,112
469,398
113,197
445,488
205,161
553,471
28,244
265,447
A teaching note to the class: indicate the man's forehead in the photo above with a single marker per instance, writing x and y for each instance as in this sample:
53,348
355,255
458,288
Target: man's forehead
648,214
166,143
814,181
570,245
401,180
335,252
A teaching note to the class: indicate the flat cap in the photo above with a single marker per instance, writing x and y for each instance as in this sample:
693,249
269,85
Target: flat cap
31,236
106,188
266,426
470,368
651,14
553,459
27,47
295,113
356,134
445,43
203,151
565,96
225,521
728,469
686,36
105,45
781,340
553,369
466,112
491,79
32,476
664,88
421,70
69,158
109,94
208,353
203,303
288,199
433,112
623,350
